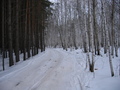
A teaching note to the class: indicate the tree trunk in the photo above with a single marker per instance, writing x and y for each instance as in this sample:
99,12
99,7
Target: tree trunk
10,35
3,35
17,31
109,51
29,31
113,30
86,37
25,33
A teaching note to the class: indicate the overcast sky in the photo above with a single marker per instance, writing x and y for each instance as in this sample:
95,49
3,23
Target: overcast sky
53,0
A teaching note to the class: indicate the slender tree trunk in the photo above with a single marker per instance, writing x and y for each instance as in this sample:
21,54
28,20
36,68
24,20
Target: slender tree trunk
5,27
89,36
86,36
17,31
3,35
29,30
112,26
10,35
92,37
25,32
116,44
93,51
79,20
94,25
61,38
65,39
33,28
103,27
109,51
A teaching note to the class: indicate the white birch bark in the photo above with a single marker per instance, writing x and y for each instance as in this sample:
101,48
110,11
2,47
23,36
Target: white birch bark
92,41
109,51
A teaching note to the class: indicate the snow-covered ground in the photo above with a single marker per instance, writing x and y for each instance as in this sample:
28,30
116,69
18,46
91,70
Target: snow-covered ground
56,69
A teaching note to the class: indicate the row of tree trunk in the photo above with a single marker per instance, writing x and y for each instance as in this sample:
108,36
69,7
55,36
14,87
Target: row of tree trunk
23,24
88,24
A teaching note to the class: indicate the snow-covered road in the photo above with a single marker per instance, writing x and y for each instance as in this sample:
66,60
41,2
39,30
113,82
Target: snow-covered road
56,69
50,71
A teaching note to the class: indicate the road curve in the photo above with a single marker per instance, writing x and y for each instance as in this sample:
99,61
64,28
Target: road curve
51,71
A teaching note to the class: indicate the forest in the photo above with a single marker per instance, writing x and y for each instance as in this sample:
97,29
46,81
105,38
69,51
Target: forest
60,45
31,25
88,24
23,25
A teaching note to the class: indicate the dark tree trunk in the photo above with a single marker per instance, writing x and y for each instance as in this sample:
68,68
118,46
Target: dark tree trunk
3,35
17,31
10,35
29,30
25,32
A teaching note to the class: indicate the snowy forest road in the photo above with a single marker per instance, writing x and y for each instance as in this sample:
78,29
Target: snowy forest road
51,71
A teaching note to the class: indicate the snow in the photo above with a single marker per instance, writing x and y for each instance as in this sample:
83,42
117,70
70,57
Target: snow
57,69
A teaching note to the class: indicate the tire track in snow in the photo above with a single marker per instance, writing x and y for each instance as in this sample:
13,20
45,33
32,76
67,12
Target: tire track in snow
35,75
58,60
18,71
34,72
51,82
